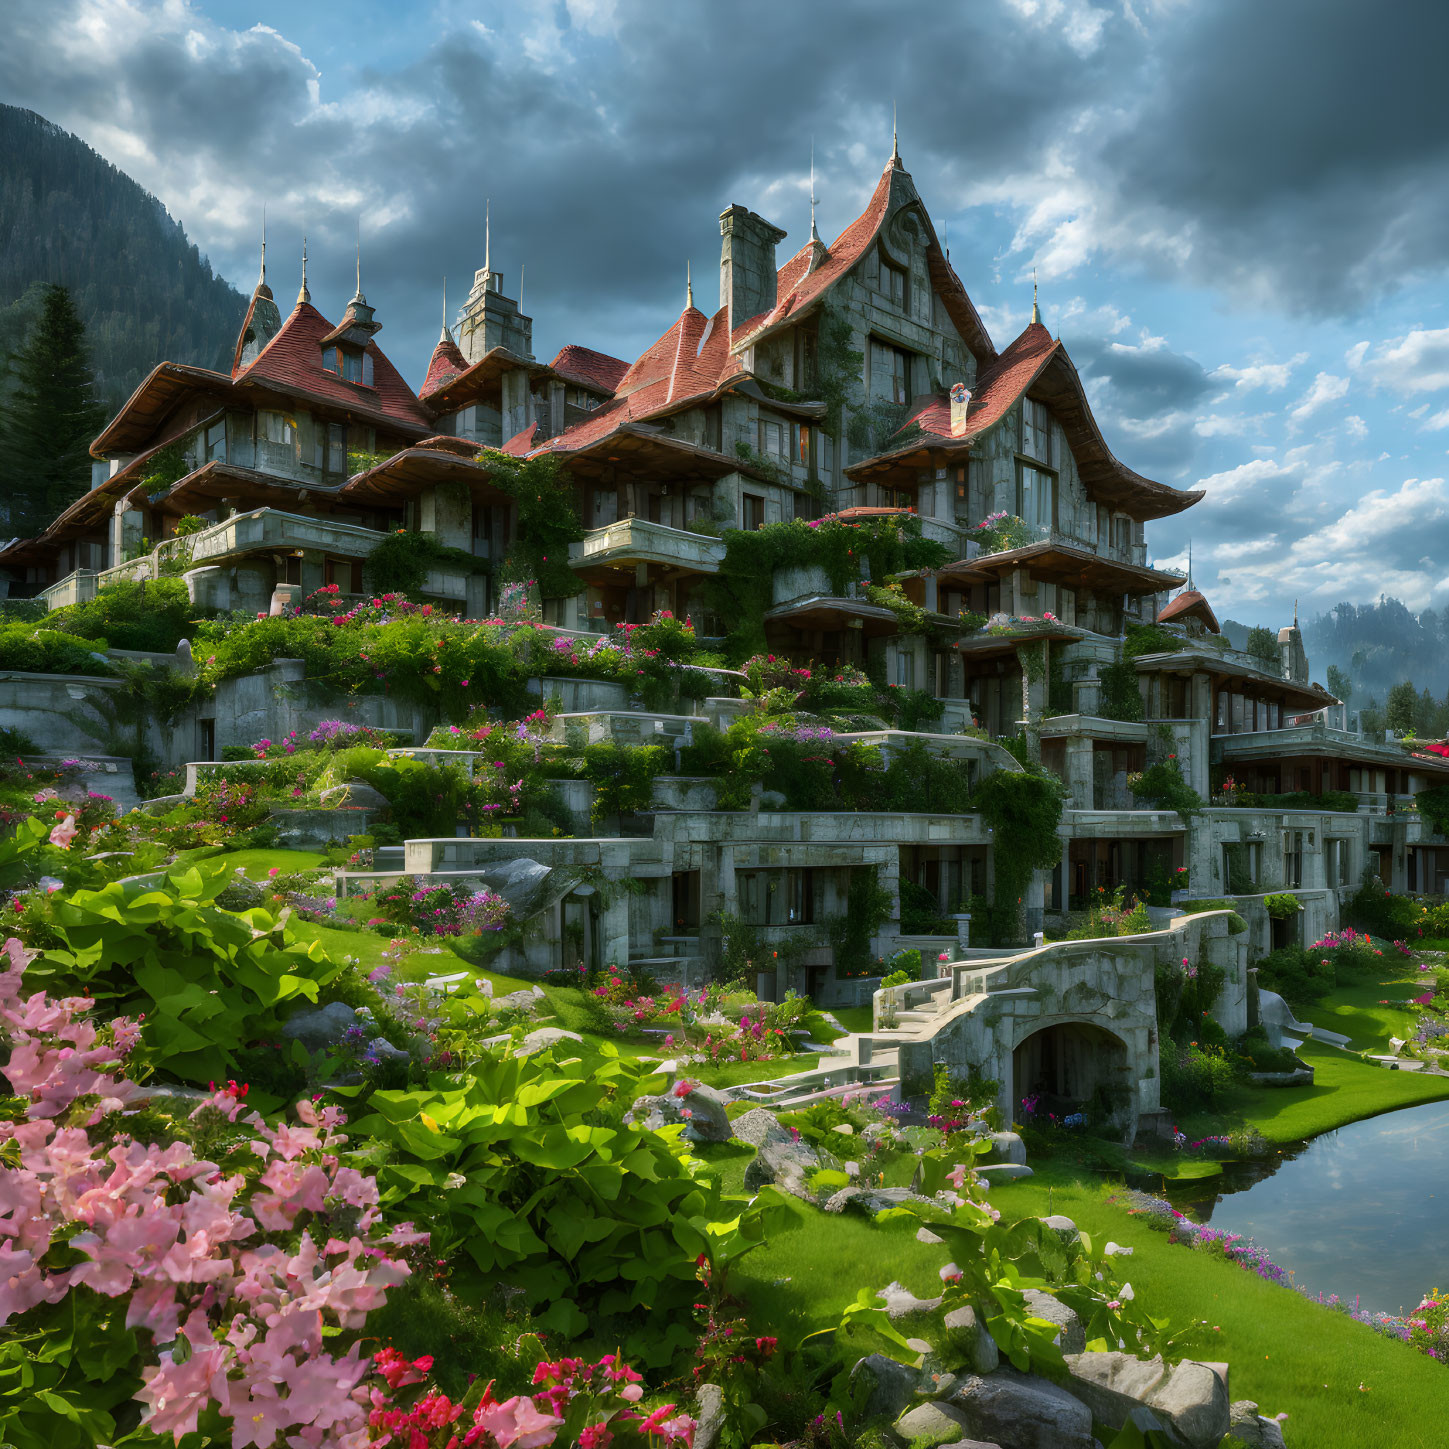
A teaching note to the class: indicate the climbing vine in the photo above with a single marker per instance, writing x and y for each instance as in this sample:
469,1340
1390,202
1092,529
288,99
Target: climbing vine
1023,809
548,521
838,367
400,563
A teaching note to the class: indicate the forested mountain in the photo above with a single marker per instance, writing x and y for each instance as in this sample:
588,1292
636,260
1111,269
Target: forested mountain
143,290
1381,645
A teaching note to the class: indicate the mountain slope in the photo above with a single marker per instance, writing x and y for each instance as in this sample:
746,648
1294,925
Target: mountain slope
145,292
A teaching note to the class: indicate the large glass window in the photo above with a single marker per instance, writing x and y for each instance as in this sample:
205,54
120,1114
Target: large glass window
1036,431
890,372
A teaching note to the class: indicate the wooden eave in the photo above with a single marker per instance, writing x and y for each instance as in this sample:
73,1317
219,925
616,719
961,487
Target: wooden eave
1187,662
397,479
828,613
364,410
217,481
153,401
641,453
1057,563
486,375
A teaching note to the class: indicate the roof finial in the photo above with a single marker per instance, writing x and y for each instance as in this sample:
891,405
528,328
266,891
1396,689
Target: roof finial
1189,563
303,295
446,335
1295,613
688,286
522,269
946,238
487,235
1035,310
895,139
359,297
814,234
262,280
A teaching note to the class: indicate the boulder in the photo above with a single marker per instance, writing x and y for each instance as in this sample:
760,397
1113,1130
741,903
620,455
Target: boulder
701,1109
928,1425
925,1235
380,1049
900,1302
1059,1223
1022,1411
969,1336
524,1000
784,1164
1003,1171
1255,1430
1071,1338
543,1037
1008,1147
710,1417
1190,1398
1193,1399
760,1125
356,793
320,1027
522,882
889,1385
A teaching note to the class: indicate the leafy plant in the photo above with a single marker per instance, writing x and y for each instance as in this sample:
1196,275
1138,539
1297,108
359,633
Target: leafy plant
1282,906
401,562
1023,809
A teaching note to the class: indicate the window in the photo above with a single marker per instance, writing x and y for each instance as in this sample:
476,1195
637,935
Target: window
805,360
275,428
890,372
905,669
215,443
1036,431
772,439
778,897
584,401
754,511
1292,859
1036,497
329,442
803,451
827,456
330,362
346,573
893,284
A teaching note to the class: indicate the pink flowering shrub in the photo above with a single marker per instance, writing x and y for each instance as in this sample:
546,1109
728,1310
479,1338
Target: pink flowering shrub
196,1289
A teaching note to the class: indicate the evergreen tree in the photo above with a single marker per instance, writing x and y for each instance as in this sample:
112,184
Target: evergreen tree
50,418
1339,684
1401,706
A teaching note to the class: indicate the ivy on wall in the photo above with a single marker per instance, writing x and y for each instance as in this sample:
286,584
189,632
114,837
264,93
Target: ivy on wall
548,521
1023,809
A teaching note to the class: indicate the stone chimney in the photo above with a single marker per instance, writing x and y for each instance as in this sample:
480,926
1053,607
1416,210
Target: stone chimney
747,264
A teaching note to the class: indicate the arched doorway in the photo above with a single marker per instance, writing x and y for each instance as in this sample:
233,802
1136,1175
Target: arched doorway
1072,1067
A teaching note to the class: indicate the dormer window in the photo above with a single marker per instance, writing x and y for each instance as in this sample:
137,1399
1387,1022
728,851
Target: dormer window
886,278
349,363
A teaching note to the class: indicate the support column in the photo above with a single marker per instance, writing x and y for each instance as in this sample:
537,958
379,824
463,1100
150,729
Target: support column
1080,778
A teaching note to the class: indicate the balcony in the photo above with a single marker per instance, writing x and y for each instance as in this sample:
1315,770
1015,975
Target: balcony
76,588
634,541
272,531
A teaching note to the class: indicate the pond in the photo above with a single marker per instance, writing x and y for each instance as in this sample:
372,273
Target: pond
1359,1212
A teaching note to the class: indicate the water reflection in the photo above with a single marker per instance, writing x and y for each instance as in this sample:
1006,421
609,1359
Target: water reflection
1359,1211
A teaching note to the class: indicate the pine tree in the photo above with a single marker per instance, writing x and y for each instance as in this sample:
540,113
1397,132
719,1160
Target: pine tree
50,418
1399,710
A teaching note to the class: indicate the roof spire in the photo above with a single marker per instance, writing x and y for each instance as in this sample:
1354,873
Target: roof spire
1189,563
895,140
261,288
487,236
1035,310
359,297
446,336
946,237
303,295
522,269
1295,613
688,286
814,234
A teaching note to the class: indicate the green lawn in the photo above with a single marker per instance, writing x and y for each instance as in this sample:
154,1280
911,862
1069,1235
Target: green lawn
854,1018
1286,1353
258,862
1357,1010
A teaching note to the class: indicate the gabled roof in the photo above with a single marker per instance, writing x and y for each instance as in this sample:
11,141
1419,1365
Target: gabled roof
1190,604
595,370
452,393
292,363
1036,363
446,363
159,392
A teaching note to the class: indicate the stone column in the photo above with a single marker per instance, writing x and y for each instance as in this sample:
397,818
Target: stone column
614,931
963,932
1080,778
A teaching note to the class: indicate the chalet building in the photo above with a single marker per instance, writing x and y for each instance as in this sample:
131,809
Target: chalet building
854,382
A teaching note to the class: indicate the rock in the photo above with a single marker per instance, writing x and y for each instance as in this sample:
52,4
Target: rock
925,1235
1024,1412
1194,1401
1255,1430
1071,1338
971,1338
1003,1171
354,792
522,882
784,1164
852,1170
701,1109
845,1129
838,1202
873,1130
930,1425
772,800
891,1385
759,1125
515,1001
709,1419
1190,1398
900,1302
319,1027
1008,1147
543,1037
1116,1250
380,1049
1060,1224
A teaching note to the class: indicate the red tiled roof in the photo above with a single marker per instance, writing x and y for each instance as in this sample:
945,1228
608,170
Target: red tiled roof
444,365
262,293
292,362
1189,604
519,444
596,370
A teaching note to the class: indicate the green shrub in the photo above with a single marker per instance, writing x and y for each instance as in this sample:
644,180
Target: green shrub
1023,809
1376,909
921,912
1298,975
1195,1077
1163,787
1121,695
154,615
1434,807
29,650
1282,906
401,562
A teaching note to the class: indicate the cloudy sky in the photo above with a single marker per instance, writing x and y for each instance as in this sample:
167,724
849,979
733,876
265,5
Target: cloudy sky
1236,210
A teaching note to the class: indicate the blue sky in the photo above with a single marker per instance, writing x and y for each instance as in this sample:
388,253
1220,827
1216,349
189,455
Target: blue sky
1236,212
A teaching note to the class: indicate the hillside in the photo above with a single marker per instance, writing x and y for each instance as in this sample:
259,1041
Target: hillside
146,293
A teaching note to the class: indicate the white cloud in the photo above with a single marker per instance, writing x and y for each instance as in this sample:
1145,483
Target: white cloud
1270,375
1355,426
1416,362
1230,425
1226,486
1326,389
1354,357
